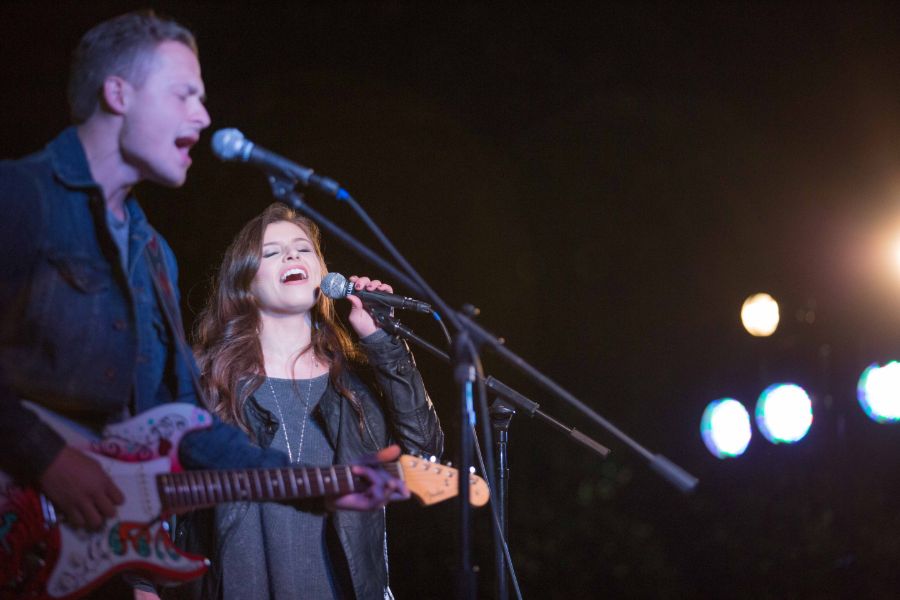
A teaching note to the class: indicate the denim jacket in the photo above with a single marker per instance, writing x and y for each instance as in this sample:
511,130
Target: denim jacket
79,334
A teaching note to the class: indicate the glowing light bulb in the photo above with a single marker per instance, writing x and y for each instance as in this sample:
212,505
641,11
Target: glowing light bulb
725,428
760,316
784,413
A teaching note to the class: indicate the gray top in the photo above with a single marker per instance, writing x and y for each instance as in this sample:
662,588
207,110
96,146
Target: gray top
279,551
119,232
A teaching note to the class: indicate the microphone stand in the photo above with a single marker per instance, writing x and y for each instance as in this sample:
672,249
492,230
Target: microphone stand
283,189
501,417
508,394
501,413
464,373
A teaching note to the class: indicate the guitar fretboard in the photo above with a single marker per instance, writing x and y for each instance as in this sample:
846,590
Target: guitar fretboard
200,489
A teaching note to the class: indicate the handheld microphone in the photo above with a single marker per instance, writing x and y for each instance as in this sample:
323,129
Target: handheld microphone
231,145
336,286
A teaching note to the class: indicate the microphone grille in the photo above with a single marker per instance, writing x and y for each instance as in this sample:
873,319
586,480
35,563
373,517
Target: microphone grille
230,144
334,286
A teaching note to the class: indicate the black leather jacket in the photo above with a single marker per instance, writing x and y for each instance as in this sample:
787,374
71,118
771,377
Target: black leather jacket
396,410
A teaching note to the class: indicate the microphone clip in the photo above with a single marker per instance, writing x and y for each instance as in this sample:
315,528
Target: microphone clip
384,316
285,190
381,314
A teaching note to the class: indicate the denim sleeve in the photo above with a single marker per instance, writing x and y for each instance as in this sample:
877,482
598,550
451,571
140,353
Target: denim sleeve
27,445
224,446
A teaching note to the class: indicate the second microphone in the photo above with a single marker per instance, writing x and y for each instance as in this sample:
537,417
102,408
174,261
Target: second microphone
336,286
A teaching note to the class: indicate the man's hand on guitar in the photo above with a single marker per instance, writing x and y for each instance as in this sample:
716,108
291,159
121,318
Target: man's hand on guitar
383,487
81,489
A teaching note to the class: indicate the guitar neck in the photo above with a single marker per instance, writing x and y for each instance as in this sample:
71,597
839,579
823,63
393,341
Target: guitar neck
190,490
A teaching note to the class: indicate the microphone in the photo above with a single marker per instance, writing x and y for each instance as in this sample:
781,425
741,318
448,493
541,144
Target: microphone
336,286
231,145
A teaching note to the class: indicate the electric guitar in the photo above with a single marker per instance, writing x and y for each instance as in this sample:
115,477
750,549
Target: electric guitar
41,556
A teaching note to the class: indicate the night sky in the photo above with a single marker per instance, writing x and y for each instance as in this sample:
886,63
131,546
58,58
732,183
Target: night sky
607,183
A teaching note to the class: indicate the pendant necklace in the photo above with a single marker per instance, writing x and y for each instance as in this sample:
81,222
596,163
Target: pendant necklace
305,415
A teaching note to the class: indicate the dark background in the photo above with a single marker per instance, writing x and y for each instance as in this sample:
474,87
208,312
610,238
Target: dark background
607,183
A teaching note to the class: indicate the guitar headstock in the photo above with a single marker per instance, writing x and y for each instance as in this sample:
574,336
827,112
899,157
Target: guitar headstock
431,482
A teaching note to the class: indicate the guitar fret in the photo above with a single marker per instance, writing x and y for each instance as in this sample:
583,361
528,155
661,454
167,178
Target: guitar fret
177,491
200,487
192,488
225,481
207,488
247,480
235,485
281,487
209,497
184,491
292,477
242,479
307,488
214,480
334,479
278,484
319,481
233,489
246,487
174,492
267,477
214,485
349,474
338,479
257,485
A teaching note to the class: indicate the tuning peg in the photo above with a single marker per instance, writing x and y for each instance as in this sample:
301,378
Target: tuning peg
432,458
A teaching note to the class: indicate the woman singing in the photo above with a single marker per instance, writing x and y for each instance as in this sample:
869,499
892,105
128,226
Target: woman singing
275,361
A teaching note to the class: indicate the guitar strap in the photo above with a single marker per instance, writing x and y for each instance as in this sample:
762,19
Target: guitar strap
166,293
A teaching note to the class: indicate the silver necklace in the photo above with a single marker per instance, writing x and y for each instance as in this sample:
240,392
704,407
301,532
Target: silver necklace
305,416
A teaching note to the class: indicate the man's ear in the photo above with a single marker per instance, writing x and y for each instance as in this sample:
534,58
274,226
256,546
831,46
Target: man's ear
116,94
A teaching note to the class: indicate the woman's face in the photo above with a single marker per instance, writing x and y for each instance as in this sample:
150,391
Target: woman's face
290,271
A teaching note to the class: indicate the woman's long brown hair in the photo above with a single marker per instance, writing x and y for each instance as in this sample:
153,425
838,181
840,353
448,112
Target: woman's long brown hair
228,350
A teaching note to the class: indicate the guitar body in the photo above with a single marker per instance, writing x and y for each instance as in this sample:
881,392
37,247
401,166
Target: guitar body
42,557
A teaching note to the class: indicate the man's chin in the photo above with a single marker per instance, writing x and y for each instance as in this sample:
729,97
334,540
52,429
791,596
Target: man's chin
169,180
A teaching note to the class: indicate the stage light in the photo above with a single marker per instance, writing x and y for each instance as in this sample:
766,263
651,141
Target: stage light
759,314
878,392
784,413
725,428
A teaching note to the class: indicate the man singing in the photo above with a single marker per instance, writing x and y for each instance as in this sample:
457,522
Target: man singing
84,329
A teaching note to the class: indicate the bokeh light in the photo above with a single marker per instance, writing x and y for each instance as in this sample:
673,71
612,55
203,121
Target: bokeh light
725,428
784,413
760,316
878,392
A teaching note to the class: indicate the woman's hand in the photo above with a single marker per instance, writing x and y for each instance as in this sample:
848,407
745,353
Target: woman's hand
360,318
383,487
